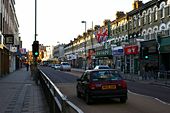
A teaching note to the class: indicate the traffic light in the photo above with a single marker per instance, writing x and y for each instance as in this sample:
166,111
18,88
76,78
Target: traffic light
146,53
35,48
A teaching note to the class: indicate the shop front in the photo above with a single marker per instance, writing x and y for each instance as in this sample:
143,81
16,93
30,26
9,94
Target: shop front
104,57
165,53
131,53
118,58
152,59
4,60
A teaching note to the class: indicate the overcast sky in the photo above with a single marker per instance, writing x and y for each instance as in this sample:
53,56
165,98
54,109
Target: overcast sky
60,20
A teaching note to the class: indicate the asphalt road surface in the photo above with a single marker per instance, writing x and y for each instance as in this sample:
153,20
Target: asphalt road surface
142,98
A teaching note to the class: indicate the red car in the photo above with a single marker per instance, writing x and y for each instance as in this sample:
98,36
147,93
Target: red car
101,83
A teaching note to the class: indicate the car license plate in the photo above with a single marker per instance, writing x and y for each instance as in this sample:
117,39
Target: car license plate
109,87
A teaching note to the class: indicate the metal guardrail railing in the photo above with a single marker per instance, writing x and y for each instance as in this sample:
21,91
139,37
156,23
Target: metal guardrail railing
164,74
58,103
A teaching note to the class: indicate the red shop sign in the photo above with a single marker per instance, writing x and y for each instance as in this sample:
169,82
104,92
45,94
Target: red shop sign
131,50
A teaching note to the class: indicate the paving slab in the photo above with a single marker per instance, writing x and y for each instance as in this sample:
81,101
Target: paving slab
20,94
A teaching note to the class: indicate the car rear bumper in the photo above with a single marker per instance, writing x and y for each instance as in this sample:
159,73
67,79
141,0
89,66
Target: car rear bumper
108,94
66,69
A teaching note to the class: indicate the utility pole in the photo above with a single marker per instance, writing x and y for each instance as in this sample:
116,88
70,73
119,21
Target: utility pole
85,44
35,20
35,50
92,36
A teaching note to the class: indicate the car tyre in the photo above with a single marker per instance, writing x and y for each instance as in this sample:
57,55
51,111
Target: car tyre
78,94
88,99
123,99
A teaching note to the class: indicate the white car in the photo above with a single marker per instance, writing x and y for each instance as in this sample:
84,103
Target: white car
65,66
102,67
57,66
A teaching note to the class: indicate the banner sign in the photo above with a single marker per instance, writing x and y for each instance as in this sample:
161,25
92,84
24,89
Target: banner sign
9,38
117,51
131,50
22,50
13,49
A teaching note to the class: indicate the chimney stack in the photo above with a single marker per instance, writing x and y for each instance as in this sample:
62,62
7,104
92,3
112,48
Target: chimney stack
137,4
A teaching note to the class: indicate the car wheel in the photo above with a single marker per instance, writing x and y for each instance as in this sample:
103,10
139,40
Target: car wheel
123,99
78,94
88,99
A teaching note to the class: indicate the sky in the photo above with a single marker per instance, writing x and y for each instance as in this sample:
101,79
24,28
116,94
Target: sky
59,21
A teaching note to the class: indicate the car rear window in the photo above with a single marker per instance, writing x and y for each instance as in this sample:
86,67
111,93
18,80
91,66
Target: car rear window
105,75
65,63
104,67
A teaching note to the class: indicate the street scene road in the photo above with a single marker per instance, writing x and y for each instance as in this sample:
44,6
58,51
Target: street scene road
73,54
142,97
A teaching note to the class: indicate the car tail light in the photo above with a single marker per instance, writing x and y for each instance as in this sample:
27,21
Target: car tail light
123,84
92,85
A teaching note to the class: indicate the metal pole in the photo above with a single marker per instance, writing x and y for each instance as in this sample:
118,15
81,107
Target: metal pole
85,43
35,19
85,47
92,36
35,70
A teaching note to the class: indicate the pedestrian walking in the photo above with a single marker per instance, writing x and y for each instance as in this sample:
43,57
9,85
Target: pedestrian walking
27,66
146,71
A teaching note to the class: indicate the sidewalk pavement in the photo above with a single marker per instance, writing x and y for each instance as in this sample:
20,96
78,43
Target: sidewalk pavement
20,94
137,78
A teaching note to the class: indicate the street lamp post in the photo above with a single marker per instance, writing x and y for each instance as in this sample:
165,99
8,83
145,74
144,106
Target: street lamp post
85,44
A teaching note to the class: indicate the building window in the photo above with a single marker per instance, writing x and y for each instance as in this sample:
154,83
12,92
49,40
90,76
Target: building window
169,10
144,34
139,20
149,35
126,26
155,13
162,12
149,16
169,30
130,24
112,32
134,22
122,28
144,18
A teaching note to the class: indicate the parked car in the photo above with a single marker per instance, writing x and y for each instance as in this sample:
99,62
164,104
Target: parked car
52,65
65,66
102,67
57,66
101,83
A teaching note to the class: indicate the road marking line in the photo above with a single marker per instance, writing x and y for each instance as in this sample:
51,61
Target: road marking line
150,97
